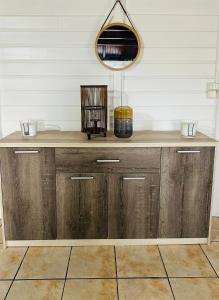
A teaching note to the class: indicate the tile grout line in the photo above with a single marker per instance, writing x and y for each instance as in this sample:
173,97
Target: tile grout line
66,273
117,284
166,272
21,263
208,261
13,280
109,278
65,279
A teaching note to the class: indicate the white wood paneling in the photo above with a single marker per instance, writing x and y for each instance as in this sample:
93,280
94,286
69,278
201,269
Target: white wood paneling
174,70
91,23
0,132
175,23
47,52
86,39
73,112
96,69
166,99
59,23
168,85
36,98
55,7
207,127
166,113
131,84
76,54
179,54
65,98
216,132
100,7
60,69
178,39
160,55
82,39
176,7
16,113
55,84
11,126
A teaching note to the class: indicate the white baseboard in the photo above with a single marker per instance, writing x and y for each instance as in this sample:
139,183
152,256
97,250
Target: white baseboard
112,242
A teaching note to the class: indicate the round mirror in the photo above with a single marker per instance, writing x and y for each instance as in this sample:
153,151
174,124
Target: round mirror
117,46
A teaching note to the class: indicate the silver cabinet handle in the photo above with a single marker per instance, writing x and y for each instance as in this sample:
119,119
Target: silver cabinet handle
82,178
108,160
26,151
188,151
133,178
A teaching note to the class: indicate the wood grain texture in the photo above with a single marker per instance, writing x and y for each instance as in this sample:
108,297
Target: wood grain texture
29,200
85,159
133,206
185,197
81,206
107,206
76,139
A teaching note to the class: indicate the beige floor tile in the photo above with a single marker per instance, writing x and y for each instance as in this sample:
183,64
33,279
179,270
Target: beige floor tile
36,290
215,229
4,286
140,289
10,260
215,223
139,261
45,263
90,289
212,253
92,262
195,288
186,261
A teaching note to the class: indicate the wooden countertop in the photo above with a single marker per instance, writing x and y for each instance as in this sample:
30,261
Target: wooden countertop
78,139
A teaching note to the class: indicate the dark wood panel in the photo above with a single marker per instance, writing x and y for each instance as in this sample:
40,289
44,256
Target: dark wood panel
81,206
85,159
186,181
133,206
29,198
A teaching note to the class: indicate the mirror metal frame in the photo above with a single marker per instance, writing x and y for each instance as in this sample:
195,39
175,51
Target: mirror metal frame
138,41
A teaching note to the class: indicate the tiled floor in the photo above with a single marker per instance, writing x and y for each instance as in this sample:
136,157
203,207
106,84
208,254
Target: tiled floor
188,272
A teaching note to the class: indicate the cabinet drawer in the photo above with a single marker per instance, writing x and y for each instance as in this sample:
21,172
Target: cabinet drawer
107,159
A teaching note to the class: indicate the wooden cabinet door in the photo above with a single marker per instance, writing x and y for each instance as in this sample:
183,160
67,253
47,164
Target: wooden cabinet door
81,206
133,206
186,180
28,186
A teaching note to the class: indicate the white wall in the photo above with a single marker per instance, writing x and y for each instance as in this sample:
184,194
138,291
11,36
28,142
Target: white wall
216,193
0,114
47,52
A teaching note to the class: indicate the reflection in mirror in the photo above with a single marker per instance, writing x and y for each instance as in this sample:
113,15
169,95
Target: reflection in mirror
117,46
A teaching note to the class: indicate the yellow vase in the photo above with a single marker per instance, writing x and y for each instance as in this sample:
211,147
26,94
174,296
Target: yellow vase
123,121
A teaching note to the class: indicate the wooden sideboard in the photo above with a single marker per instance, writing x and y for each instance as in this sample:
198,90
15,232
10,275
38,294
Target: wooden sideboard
106,194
